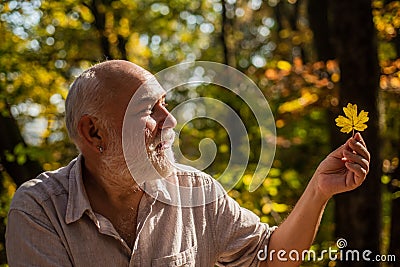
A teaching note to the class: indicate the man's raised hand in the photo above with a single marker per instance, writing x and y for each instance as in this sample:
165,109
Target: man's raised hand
344,169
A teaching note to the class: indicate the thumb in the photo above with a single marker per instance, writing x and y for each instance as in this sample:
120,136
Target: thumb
338,153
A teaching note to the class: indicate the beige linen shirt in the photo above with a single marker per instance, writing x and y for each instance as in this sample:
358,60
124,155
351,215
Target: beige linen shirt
51,223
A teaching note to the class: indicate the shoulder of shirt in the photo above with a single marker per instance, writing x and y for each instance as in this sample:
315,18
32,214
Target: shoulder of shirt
43,187
190,176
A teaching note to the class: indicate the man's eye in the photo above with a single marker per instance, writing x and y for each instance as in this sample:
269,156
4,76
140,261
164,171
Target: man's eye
151,110
148,110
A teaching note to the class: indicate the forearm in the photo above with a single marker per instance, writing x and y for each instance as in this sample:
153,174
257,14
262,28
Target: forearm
342,170
298,231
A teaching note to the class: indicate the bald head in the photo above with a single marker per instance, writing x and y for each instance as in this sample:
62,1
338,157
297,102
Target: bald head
97,86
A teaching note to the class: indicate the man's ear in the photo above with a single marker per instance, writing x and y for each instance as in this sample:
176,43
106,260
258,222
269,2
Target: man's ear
90,133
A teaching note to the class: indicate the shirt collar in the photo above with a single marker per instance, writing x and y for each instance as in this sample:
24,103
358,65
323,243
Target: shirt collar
166,190
78,201
157,189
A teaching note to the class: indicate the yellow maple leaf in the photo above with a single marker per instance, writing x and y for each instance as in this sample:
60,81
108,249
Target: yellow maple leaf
353,121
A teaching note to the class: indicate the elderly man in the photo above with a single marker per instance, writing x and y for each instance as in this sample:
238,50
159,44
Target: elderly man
92,213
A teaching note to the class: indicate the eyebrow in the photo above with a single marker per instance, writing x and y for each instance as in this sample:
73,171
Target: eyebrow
152,98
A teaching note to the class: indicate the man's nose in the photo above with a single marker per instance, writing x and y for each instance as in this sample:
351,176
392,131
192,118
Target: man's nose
166,119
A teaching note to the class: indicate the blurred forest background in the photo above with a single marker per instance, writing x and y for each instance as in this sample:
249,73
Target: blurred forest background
309,58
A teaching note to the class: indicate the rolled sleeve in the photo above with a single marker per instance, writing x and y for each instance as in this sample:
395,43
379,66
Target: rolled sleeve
240,234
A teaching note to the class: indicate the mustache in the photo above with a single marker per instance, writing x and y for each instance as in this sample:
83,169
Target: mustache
163,138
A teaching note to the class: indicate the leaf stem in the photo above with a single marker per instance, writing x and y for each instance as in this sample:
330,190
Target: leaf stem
352,136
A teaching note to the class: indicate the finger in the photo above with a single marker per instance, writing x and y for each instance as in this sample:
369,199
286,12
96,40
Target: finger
355,158
359,172
359,148
359,138
338,152
351,182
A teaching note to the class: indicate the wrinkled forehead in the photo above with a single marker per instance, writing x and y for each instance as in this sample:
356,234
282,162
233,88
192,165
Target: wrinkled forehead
151,90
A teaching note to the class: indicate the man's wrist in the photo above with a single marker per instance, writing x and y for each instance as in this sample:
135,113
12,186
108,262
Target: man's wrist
316,192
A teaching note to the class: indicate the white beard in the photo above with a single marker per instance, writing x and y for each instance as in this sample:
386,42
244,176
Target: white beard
159,151
121,165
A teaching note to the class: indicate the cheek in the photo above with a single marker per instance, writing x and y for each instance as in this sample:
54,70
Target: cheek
151,124
134,126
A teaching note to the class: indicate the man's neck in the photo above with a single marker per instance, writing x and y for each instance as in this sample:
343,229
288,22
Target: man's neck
118,202
111,191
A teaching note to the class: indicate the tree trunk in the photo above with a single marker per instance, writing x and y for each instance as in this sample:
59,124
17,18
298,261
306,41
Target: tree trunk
229,57
10,137
319,24
223,33
394,248
97,7
3,256
358,213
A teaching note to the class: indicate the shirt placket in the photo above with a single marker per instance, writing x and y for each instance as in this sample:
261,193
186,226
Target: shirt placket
145,209
105,227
